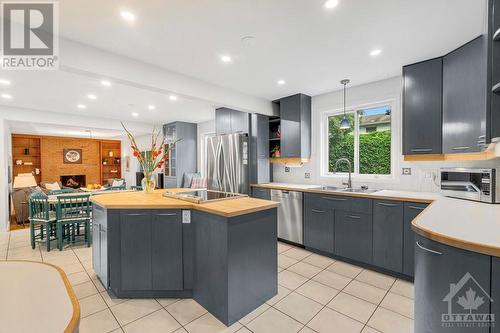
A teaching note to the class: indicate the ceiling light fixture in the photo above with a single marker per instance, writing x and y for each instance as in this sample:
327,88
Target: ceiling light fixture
226,58
151,107
105,83
6,96
127,16
4,82
172,97
344,123
135,114
375,52
81,106
281,82
331,4
92,96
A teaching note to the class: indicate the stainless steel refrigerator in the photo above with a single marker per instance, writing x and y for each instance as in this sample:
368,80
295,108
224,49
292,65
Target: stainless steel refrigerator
227,163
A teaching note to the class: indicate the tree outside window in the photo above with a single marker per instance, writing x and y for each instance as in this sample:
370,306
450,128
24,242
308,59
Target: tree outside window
367,143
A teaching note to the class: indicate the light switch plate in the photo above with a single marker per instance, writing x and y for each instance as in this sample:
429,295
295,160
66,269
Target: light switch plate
186,216
406,171
307,175
287,169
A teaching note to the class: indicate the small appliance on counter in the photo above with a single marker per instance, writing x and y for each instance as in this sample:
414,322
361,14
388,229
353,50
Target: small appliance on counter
203,196
477,184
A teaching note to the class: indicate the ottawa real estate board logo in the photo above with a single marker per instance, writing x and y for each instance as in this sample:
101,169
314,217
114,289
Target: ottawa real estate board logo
29,38
468,305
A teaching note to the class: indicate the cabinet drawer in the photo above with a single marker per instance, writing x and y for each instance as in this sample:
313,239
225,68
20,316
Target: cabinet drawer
344,203
261,193
353,236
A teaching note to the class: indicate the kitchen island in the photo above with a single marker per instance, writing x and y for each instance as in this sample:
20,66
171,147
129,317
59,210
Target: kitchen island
223,253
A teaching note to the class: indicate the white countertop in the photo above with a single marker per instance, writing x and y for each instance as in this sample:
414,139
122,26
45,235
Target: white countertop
470,225
36,298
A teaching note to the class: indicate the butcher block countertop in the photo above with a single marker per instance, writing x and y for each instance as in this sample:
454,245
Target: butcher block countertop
469,225
156,200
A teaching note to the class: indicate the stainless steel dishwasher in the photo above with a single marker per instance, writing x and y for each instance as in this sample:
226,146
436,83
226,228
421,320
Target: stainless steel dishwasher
290,226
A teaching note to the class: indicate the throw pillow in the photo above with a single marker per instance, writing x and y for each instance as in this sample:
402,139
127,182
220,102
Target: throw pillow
117,182
52,186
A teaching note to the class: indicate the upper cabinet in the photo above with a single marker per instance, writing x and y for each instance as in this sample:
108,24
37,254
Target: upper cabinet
422,107
293,134
228,121
465,97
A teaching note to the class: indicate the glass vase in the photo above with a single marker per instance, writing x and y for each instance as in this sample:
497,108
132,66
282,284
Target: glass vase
148,183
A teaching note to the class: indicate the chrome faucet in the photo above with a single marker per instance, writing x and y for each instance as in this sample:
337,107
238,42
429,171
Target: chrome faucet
349,181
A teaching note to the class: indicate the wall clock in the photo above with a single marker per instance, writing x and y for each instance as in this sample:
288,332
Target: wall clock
72,156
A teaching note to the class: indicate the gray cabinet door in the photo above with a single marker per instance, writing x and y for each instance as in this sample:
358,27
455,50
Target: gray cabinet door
465,97
443,274
319,228
353,236
223,121
290,126
259,149
96,249
495,292
261,193
388,234
103,255
239,121
411,210
135,250
422,107
166,250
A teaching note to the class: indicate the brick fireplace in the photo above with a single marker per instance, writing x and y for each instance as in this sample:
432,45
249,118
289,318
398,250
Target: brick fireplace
74,181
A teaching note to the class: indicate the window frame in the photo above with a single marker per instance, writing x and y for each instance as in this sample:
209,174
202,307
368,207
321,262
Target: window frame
324,142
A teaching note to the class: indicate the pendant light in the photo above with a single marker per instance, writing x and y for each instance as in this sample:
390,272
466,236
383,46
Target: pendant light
344,123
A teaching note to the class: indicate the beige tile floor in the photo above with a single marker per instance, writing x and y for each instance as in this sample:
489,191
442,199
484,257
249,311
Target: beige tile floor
316,294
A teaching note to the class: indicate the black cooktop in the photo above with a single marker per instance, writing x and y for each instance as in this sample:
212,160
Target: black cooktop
201,196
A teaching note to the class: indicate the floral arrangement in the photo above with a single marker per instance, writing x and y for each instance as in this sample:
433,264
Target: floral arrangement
151,160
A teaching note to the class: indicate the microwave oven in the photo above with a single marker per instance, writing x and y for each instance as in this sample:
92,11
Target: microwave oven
478,184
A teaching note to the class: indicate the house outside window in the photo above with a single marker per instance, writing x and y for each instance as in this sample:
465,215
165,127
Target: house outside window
367,143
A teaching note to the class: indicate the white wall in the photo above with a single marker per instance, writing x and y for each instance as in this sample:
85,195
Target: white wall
204,129
5,157
421,178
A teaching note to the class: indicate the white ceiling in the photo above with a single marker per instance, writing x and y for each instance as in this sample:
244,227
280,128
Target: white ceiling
60,91
296,40
20,127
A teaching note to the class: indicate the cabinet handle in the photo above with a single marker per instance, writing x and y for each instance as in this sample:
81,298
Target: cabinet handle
428,250
415,207
460,148
421,150
354,217
481,137
135,214
166,214
317,211
333,199
386,204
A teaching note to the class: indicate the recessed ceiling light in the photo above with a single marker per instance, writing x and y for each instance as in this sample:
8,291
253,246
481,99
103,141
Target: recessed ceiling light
226,58
6,96
281,82
151,107
375,52
105,83
127,16
135,114
331,4
4,82
91,96
172,97
81,106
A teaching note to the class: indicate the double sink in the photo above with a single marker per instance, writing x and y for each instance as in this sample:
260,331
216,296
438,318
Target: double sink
349,189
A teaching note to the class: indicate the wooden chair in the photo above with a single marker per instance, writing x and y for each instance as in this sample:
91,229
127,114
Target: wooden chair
42,220
72,211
